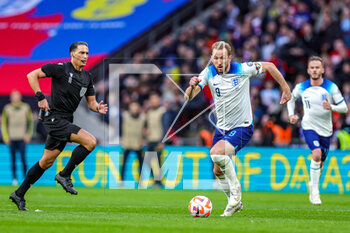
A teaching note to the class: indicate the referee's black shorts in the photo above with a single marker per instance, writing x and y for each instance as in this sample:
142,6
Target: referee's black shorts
59,128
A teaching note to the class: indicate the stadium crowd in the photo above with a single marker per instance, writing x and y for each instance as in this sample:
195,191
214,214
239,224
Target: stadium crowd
283,32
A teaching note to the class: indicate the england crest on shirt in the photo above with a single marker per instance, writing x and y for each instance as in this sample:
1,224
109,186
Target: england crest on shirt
235,82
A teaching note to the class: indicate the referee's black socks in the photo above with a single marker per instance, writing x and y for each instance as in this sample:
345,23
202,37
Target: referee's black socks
32,176
78,155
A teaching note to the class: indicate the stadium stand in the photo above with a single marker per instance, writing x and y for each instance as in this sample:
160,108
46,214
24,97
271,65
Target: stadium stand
283,32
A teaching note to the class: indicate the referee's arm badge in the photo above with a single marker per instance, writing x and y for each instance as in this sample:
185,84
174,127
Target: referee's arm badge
83,91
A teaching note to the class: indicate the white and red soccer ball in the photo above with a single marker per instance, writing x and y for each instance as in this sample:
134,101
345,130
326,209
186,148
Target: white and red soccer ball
200,206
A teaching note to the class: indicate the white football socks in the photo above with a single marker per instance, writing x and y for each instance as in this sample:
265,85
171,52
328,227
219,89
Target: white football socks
226,166
224,185
315,172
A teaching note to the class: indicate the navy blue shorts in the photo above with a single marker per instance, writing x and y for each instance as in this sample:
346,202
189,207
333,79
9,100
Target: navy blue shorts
237,137
315,141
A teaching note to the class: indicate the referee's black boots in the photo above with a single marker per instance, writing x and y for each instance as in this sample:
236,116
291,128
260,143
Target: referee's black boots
66,183
20,202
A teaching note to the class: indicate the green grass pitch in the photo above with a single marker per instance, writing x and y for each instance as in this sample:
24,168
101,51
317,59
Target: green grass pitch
156,210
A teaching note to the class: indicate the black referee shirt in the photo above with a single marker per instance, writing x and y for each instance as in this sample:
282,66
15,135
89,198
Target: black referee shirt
68,86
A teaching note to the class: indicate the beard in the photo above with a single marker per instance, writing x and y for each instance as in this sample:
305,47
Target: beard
316,77
223,70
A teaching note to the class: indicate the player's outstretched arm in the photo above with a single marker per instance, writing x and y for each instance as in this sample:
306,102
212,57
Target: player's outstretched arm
33,79
276,74
293,118
96,107
193,89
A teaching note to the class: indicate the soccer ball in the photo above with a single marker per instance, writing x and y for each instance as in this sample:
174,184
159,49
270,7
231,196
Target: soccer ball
200,206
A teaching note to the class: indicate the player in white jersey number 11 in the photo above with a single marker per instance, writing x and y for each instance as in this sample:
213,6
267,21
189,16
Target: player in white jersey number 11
320,98
229,85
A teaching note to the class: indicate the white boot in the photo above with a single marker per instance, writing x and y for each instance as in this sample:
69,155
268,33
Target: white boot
229,211
314,195
235,195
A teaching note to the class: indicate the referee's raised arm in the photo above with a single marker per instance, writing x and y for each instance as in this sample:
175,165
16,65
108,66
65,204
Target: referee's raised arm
33,79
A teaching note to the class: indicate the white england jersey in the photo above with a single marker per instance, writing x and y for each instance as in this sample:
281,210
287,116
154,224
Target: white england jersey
231,93
315,116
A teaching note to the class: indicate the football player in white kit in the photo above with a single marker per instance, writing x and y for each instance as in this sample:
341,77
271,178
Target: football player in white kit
320,98
229,85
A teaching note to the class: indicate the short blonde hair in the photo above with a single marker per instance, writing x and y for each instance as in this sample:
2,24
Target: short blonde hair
221,45
315,58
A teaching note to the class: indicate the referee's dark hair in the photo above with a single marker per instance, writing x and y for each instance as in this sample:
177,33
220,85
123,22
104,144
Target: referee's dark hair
75,45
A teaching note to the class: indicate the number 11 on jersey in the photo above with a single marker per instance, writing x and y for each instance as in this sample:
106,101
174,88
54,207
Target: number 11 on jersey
217,90
307,104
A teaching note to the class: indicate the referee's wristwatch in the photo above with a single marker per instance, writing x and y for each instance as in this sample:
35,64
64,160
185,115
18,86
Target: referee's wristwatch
39,95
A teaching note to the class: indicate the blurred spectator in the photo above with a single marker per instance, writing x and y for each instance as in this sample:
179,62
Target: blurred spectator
345,25
168,118
258,138
257,107
270,97
232,12
328,30
276,9
309,39
17,129
258,15
168,48
155,132
268,47
294,54
133,122
342,134
343,73
339,52
346,91
206,137
172,107
282,37
302,15
266,129
282,130
170,66
200,31
216,21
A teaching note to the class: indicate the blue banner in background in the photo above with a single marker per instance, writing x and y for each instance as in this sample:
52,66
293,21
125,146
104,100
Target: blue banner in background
105,24
190,167
36,32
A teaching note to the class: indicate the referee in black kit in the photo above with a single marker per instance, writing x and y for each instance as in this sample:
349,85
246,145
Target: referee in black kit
70,82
